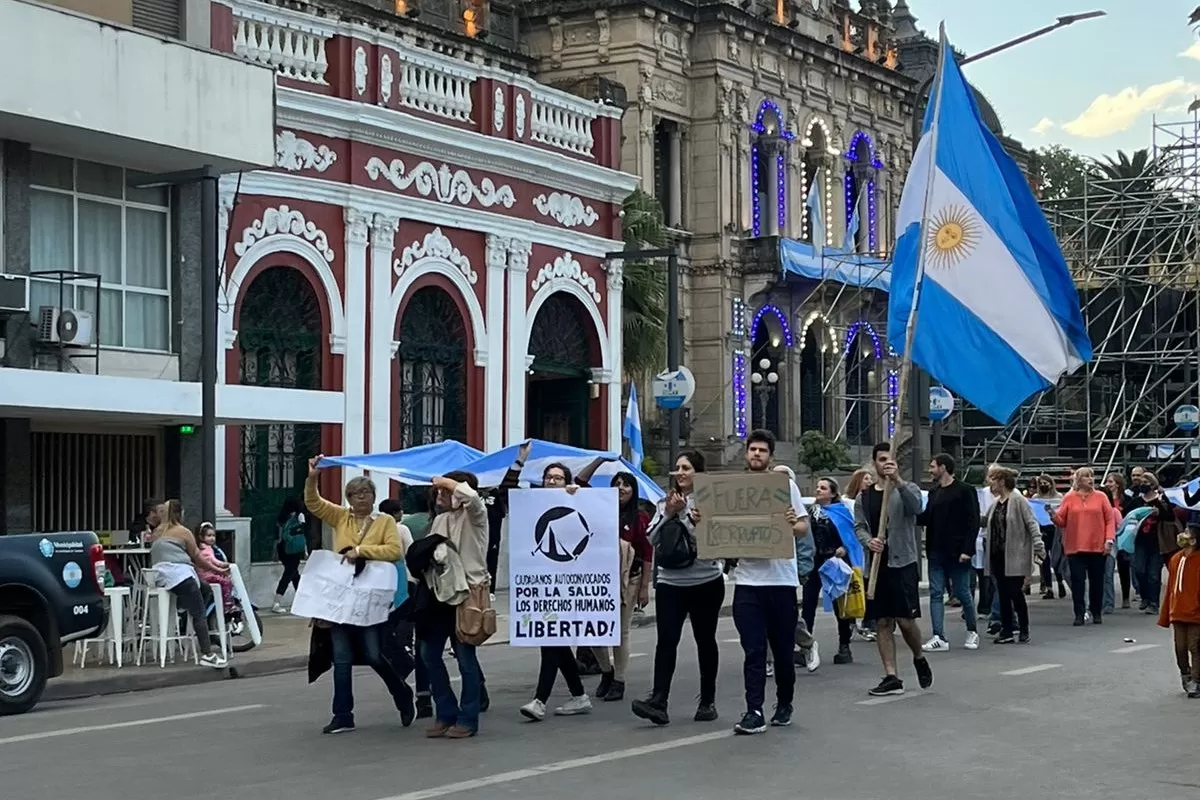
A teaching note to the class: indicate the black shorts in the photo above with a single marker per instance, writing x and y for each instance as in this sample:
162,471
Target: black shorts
897,594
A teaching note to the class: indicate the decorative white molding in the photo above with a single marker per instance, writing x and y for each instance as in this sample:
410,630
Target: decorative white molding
529,359
294,154
496,252
498,109
395,347
386,77
360,70
229,338
520,116
284,221
446,185
566,209
602,375
289,41
436,245
337,344
565,266
616,274
358,226
481,356
519,252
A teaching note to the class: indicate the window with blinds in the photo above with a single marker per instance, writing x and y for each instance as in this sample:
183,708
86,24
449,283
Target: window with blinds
158,16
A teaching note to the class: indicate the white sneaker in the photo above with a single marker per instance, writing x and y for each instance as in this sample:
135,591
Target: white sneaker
936,645
814,658
213,660
535,710
770,670
574,706
278,609
972,642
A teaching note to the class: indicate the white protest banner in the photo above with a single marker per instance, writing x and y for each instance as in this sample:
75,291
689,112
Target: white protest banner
329,591
564,568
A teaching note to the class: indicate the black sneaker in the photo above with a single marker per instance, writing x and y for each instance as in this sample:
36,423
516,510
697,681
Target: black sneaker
843,655
338,726
924,672
404,705
706,712
1004,638
653,709
994,628
890,685
782,716
606,682
752,723
1097,619
424,706
1078,623
1024,637
615,692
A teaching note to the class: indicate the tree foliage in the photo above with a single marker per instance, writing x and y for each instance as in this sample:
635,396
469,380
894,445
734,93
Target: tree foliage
1061,173
820,453
644,296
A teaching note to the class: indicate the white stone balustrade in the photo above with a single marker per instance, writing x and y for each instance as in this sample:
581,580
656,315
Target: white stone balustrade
291,42
441,87
562,121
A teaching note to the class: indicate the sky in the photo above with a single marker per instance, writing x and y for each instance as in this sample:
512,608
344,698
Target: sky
1094,86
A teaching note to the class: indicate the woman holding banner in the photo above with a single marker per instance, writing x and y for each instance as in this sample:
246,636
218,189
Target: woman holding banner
687,588
832,525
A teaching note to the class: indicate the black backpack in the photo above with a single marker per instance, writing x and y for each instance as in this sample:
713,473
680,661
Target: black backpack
676,547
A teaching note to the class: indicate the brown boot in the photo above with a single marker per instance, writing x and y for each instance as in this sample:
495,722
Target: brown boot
437,730
459,732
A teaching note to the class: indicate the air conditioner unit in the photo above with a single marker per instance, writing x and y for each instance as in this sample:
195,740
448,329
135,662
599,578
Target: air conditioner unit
14,294
69,326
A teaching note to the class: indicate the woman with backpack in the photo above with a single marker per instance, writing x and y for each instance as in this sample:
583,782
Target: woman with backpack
291,546
686,587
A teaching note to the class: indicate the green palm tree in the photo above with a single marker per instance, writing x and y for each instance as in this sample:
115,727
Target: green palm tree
644,296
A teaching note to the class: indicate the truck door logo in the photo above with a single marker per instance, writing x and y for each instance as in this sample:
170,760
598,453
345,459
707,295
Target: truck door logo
72,574
46,548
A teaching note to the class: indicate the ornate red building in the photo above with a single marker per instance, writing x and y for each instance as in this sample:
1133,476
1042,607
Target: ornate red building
430,243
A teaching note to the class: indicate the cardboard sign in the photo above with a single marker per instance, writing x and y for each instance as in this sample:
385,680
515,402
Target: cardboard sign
330,591
564,568
742,515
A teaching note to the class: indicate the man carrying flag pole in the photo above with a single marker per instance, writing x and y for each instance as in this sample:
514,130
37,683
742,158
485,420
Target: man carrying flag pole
974,257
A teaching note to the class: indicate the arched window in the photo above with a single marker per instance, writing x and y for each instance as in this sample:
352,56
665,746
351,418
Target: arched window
816,183
770,339
817,351
564,347
433,369
862,174
768,171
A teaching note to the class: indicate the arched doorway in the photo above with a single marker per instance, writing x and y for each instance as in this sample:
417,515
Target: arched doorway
864,360
813,376
279,340
770,338
562,346
433,369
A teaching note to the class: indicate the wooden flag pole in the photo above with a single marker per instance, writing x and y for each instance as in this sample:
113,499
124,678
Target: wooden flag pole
910,329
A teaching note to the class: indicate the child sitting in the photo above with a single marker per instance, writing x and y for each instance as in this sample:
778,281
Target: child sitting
215,569
1181,609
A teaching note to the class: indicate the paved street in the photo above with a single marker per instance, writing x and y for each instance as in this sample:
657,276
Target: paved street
1079,712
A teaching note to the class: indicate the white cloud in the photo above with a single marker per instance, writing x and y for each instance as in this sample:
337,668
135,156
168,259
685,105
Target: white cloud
1109,114
1043,127
1192,52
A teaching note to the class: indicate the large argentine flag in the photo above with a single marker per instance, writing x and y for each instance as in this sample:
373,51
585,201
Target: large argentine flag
998,317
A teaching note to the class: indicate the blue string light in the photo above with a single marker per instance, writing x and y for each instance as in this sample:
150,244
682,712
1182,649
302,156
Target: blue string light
852,150
756,223
739,394
770,309
872,231
763,108
781,192
780,165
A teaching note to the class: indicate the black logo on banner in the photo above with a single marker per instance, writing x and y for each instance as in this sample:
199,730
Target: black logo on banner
561,534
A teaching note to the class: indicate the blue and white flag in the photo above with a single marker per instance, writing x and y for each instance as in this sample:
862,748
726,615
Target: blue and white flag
817,218
850,243
632,429
998,317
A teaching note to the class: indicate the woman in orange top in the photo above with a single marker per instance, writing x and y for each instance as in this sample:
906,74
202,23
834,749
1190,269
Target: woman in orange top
1089,526
1181,609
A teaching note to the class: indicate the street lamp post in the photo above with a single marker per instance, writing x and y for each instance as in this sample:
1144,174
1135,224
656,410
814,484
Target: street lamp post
765,379
914,391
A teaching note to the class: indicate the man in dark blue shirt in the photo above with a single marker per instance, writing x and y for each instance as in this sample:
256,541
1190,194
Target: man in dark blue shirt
951,520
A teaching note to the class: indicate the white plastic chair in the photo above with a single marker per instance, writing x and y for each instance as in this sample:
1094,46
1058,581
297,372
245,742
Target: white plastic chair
160,624
112,640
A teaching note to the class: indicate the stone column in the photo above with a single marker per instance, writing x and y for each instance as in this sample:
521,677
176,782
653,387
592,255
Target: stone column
615,281
518,338
354,360
383,325
493,381
675,178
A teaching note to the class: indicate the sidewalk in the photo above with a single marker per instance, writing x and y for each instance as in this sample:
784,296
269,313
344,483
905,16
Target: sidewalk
284,649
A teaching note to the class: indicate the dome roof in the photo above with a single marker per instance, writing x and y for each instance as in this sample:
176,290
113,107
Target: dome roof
990,118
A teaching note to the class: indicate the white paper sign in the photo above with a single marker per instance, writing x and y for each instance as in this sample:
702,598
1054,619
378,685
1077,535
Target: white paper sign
329,591
564,568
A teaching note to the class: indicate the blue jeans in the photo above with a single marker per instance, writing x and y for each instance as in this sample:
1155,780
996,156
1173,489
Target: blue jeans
447,708
942,567
349,640
1147,566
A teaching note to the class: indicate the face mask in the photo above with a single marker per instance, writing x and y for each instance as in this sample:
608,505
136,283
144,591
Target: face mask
1184,540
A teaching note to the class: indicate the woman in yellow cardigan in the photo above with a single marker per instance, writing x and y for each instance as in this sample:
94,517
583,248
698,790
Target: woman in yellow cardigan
358,533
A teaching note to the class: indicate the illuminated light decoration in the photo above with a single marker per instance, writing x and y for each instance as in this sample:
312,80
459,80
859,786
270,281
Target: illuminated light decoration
781,193
851,155
809,321
807,143
828,210
770,309
872,230
739,318
739,394
893,379
804,199
756,220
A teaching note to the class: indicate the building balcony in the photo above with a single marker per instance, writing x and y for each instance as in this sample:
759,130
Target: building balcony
112,94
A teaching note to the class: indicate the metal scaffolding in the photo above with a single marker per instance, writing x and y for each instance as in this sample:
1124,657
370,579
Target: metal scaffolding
1131,243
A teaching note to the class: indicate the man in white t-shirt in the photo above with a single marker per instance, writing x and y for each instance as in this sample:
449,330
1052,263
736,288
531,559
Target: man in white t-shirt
765,609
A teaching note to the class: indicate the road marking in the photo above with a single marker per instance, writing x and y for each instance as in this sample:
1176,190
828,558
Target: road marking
133,723
558,766
638,655
1135,648
878,701
1031,670
731,641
